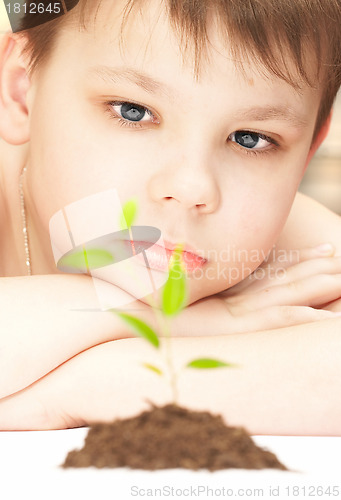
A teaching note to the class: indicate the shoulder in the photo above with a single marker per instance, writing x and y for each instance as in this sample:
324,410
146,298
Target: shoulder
309,224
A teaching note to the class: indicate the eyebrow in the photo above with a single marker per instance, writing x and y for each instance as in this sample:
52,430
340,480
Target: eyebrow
265,113
124,75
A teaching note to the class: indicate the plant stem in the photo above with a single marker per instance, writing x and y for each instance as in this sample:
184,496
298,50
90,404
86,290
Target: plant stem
169,360
163,322
131,240
164,327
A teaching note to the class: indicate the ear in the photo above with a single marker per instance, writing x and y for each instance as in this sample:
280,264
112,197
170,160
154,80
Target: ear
14,84
319,139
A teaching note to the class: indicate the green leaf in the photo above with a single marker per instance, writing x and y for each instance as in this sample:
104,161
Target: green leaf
91,258
141,328
153,368
129,213
174,292
204,363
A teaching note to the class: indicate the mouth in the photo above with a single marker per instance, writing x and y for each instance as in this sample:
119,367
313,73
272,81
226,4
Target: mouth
158,257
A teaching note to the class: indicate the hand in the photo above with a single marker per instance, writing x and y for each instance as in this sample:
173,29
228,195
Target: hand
288,291
282,292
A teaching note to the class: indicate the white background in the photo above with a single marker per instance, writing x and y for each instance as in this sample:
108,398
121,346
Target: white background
30,469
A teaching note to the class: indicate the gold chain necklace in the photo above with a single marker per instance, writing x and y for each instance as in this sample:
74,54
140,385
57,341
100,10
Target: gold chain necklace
24,225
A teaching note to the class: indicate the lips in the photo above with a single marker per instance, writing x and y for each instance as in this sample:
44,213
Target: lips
157,257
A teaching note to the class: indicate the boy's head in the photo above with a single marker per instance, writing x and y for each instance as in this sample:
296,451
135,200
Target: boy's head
204,110
269,32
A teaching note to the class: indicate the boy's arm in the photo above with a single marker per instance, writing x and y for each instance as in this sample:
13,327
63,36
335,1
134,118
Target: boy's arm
300,232
39,330
310,223
287,382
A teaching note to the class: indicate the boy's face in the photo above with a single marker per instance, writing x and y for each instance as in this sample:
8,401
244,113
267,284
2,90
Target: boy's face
215,164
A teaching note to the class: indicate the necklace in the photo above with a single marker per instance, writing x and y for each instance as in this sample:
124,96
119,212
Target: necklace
24,224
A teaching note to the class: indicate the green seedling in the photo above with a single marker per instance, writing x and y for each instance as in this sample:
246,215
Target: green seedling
87,259
129,212
173,302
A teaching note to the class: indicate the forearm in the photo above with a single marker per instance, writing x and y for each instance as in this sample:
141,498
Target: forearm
287,381
40,326
47,319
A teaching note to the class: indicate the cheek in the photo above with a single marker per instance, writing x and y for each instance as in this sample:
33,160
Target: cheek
251,226
264,215
270,196
81,162
58,167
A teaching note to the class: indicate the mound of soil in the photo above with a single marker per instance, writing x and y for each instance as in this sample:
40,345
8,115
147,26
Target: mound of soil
171,437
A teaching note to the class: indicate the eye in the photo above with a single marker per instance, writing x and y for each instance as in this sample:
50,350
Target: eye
131,114
251,140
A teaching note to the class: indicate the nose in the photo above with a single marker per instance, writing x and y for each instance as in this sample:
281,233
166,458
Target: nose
187,181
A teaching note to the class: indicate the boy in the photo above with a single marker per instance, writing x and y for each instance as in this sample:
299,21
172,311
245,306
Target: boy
215,152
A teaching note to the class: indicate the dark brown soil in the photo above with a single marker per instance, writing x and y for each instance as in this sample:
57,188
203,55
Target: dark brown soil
171,437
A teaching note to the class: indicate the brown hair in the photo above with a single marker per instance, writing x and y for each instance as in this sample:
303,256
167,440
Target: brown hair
274,33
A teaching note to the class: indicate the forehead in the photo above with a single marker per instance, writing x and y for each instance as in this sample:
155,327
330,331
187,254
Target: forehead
148,44
198,36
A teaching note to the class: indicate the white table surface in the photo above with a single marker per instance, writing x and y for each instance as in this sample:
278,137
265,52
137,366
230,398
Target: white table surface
29,469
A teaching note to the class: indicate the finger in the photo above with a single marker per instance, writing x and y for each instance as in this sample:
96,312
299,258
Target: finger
273,275
295,256
278,261
310,268
304,254
279,317
312,291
